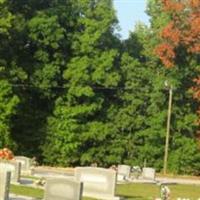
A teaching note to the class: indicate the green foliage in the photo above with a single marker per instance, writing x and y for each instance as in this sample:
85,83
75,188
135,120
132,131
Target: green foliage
5,17
46,31
184,156
39,48
73,94
8,103
142,114
8,100
79,129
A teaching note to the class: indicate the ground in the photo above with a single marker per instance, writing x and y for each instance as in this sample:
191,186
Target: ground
129,191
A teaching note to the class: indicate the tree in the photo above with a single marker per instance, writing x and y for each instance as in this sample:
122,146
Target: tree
8,101
37,52
142,111
79,130
141,116
5,17
180,46
182,30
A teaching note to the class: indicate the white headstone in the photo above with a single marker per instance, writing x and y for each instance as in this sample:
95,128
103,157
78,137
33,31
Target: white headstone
98,183
13,167
4,185
123,172
148,173
25,163
63,189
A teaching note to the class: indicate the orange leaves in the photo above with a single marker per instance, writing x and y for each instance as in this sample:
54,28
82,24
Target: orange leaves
184,31
165,50
171,33
195,48
166,54
192,35
197,94
194,3
197,80
173,6
196,89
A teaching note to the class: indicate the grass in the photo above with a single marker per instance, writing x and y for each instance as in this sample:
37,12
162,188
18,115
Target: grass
26,191
150,191
128,191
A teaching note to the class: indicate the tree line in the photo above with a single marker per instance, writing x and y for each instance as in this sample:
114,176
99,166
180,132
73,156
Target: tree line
73,93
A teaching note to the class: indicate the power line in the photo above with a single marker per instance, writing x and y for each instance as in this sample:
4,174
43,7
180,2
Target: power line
65,87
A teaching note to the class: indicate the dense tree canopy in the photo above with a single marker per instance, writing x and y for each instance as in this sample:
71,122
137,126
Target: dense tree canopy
180,44
8,100
80,115
72,93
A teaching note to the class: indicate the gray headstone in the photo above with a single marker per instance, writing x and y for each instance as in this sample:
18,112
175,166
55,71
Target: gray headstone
13,167
123,172
148,173
4,185
98,182
63,189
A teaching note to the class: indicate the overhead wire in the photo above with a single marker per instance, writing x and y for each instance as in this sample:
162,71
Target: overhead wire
65,87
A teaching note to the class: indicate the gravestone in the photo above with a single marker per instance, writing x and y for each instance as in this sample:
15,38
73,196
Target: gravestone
123,172
148,173
13,167
25,163
4,185
98,183
63,189
43,172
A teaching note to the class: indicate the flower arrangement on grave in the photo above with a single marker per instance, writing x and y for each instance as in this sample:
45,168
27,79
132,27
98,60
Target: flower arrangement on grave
136,172
40,182
165,192
6,154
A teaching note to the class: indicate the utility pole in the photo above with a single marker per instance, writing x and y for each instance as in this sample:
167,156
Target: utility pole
168,129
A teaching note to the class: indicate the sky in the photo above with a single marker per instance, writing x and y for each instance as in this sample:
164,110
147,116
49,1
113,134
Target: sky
129,12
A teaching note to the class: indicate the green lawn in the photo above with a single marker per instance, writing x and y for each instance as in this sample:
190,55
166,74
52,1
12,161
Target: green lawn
26,191
150,191
128,191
